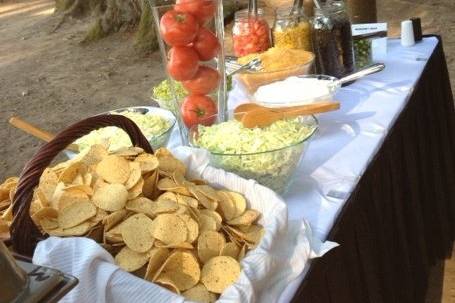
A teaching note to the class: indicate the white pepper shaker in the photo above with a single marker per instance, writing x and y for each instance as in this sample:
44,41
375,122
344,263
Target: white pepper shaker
407,33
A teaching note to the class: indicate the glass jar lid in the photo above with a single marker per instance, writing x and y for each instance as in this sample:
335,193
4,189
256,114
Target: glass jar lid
330,7
243,14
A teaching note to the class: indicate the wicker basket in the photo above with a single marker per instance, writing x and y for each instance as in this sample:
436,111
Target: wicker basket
24,234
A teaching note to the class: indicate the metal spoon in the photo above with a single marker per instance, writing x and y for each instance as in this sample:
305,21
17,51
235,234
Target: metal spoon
374,68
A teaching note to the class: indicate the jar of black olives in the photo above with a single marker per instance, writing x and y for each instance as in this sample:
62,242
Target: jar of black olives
332,39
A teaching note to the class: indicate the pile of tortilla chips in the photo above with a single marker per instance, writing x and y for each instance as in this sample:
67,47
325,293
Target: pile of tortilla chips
183,235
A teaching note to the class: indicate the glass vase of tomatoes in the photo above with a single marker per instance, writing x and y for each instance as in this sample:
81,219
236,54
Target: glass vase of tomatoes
191,36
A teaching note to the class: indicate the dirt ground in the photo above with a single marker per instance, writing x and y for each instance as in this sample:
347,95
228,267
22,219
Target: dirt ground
50,80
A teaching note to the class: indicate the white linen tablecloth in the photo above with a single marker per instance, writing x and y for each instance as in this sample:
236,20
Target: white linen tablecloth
348,139
280,257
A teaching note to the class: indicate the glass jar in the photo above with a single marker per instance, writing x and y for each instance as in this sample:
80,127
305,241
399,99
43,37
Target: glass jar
292,29
363,50
250,34
332,40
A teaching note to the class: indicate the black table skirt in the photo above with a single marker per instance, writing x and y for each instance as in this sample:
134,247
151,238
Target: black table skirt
400,219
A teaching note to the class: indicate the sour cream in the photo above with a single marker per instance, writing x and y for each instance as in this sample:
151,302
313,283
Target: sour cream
294,90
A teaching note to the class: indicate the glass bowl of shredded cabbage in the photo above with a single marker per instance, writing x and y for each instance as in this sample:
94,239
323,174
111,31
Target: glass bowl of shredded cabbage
268,155
155,123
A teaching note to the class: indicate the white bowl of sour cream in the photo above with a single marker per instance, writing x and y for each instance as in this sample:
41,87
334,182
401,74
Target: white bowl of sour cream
297,90
300,90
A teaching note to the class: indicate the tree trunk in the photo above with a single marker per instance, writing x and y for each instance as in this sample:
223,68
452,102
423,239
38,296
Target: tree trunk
120,15
113,16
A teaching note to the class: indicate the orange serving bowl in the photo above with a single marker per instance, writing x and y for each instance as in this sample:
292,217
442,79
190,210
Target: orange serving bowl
278,64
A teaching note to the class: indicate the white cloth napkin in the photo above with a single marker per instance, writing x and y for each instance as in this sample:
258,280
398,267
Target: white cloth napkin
280,257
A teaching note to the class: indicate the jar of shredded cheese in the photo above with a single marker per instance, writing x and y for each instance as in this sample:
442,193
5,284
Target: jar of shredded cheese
292,29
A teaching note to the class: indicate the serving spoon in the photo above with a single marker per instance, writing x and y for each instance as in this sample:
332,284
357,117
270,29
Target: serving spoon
253,115
242,109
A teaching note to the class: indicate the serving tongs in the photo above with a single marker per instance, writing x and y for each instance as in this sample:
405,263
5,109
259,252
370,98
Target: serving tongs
293,17
233,67
296,7
252,8
253,65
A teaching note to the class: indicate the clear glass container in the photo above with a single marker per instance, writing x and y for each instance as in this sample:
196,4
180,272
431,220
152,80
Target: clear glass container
250,34
363,51
193,63
274,168
332,40
292,29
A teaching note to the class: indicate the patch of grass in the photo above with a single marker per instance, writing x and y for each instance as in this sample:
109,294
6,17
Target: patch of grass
96,32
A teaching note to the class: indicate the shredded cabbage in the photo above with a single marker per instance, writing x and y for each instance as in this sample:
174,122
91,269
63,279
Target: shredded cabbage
269,155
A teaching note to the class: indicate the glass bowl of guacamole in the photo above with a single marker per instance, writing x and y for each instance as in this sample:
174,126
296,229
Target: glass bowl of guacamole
155,123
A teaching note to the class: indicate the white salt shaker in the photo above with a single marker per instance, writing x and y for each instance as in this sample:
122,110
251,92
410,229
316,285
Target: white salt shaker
407,33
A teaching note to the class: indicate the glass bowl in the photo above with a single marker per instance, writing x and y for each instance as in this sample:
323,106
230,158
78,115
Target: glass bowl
156,141
252,80
273,168
166,104
160,140
333,84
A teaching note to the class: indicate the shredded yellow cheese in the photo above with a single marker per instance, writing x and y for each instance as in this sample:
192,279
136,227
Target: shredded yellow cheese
298,36
275,59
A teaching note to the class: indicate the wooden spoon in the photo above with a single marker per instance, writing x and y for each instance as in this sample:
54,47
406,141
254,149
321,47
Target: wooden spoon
264,116
37,132
242,109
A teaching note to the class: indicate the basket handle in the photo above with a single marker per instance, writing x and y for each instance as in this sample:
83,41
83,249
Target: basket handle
24,234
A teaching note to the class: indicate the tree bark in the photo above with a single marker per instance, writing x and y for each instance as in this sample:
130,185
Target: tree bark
120,15
79,8
112,16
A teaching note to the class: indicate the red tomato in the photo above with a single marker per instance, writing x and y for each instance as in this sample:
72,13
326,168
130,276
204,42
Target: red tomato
203,10
178,28
204,82
206,44
198,109
183,63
